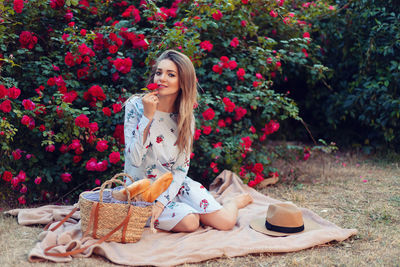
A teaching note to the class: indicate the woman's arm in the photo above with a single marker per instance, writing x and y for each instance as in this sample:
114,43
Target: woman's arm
136,129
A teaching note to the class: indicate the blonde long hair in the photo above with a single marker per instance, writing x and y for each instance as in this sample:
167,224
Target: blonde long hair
187,97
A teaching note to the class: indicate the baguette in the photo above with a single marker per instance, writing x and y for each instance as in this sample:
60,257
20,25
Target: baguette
157,188
135,189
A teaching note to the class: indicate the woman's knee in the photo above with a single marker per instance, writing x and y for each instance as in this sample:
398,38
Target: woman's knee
189,223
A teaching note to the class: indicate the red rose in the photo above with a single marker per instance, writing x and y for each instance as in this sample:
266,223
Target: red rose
217,15
14,93
258,168
234,42
25,120
22,200
69,59
240,73
50,148
85,50
51,81
3,91
221,123
123,65
18,6
119,133
97,92
217,68
16,154
94,127
63,148
75,144
197,134
102,145
27,40
208,114
76,159
38,180
240,112
113,49
232,64
7,176
116,107
306,35
207,130
66,177
114,157
5,106
91,164
228,88
247,142
82,121
229,105
28,104
152,86
101,166
107,111
206,45
273,13
70,97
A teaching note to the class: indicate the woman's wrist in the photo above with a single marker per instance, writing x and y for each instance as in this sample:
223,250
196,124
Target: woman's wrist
159,204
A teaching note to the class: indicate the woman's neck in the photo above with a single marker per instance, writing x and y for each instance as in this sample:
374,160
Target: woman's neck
167,103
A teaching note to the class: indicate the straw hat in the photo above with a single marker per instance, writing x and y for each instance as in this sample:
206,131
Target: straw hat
283,219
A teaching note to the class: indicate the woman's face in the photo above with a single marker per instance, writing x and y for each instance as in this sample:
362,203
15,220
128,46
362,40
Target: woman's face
167,78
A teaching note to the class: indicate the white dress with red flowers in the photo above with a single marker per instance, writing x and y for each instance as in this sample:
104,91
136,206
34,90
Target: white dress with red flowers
159,155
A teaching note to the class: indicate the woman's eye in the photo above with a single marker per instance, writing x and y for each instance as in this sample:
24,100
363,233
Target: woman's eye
158,73
171,75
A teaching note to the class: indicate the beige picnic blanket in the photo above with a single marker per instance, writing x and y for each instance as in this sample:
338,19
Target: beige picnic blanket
168,249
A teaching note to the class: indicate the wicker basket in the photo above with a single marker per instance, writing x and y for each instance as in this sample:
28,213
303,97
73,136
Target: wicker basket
99,218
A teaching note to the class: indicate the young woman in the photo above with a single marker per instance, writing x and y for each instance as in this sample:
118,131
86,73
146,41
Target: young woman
159,127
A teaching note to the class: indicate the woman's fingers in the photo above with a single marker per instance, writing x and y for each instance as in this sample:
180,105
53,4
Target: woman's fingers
155,213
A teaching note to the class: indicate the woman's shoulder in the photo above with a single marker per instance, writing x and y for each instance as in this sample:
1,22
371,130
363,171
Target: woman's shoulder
134,101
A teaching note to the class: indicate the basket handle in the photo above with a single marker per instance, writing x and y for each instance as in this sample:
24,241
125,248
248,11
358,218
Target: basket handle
112,180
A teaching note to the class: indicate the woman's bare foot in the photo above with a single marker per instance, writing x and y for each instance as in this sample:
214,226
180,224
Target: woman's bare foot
240,201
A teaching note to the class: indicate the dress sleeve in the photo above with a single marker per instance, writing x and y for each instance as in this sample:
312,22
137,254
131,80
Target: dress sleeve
179,171
134,125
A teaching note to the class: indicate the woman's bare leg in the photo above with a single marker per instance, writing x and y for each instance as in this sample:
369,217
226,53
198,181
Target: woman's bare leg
225,218
188,224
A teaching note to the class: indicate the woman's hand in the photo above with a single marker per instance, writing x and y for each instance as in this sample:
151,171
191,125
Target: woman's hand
150,102
158,208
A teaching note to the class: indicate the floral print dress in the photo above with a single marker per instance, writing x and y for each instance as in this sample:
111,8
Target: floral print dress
159,155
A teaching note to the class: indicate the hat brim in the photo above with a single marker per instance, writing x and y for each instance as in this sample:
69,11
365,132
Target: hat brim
259,225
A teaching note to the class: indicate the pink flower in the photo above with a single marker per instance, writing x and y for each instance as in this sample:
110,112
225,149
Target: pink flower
208,114
114,157
306,35
91,164
23,189
243,23
97,182
252,129
102,145
76,143
273,13
38,180
234,42
21,176
217,15
50,148
102,166
66,177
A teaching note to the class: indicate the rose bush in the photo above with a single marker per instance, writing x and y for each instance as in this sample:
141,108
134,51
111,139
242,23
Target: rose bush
68,66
